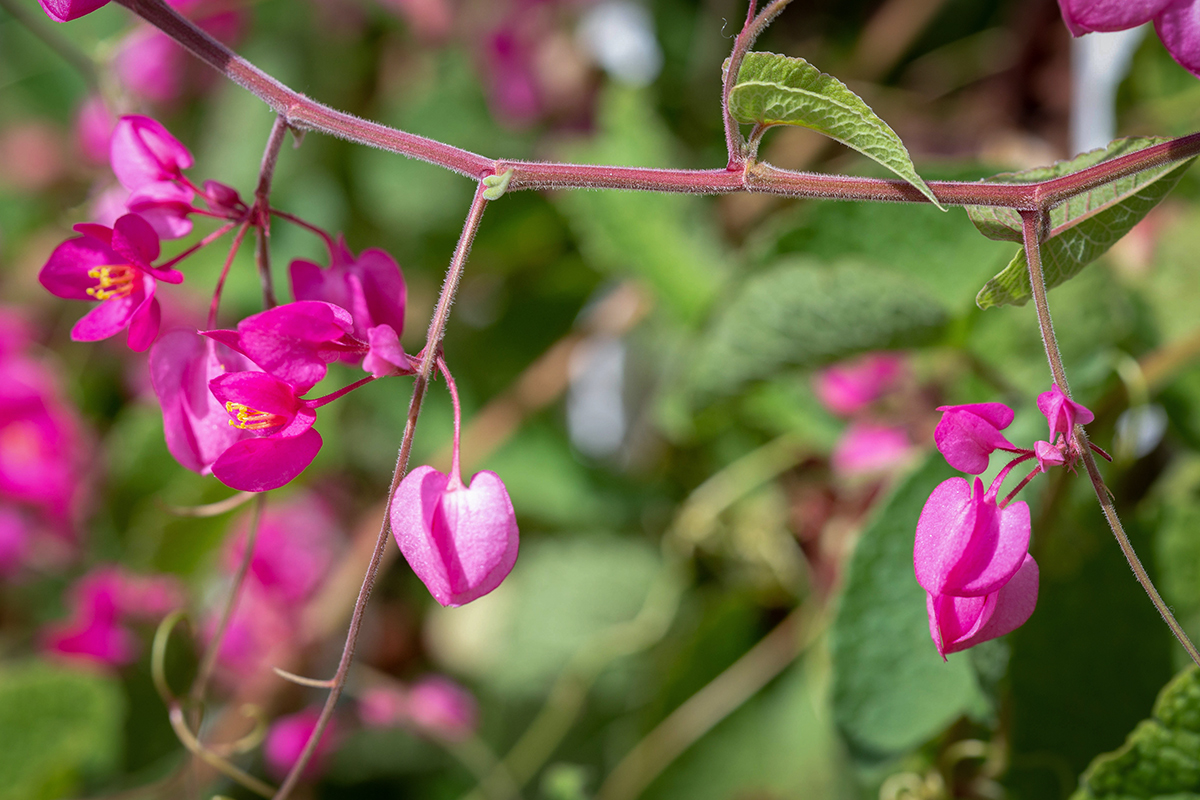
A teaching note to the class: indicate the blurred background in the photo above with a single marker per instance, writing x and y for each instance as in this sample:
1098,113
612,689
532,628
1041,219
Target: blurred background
714,415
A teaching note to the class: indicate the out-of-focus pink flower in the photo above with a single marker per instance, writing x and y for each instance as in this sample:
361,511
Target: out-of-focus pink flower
195,423
383,706
143,151
967,556
1062,413
150,64
968,434
261,634
868,448
294,550
295,342
369,286
512,86
32,155
112,265
1176,21
282,441
850,386
65,10
440,707
460,541
93,129
14,540
286,739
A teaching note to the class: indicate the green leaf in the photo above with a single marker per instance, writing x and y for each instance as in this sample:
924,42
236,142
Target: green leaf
56,725
802,314
781,90
1081,229
891,689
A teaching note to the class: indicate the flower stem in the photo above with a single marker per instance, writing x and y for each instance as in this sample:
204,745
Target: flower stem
233,249
317,402
437,330
292,218
205,242
455,470
1033,224
260,214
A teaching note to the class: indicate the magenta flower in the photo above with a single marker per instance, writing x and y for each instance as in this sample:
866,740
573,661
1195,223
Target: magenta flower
94,631
143,152
195,424
150,64
282,441
968,434
286,739
369,286
1048,455
296,544
1176,21
111,265
956,623
66,10
867,448
1062,413
295,342
850,386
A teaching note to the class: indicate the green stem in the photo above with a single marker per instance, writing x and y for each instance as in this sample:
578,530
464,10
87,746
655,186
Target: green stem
1033,223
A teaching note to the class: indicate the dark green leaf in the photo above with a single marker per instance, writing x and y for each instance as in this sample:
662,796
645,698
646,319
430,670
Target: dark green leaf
801,314
891,689
781,90
1081,229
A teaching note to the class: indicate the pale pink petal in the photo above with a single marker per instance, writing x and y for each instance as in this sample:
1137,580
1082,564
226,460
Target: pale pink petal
1085,16
93,127
440,707
150,64
847,387
866,448
1014,606
954,619
107,319
143,151
967,434
386,356
1179,28
1048,455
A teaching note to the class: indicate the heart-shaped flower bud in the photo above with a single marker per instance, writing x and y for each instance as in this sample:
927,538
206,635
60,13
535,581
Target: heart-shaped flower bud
968,434
460,540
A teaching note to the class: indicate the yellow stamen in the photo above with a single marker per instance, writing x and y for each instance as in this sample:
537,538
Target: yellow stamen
251,419
114,280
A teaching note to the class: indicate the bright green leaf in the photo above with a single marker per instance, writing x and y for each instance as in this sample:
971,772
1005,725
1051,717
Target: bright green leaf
781,90
802,314
1081,229
56,725
891,689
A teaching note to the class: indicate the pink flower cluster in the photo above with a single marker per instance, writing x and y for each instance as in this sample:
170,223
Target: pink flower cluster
971,552
869,446
1177,23
102,604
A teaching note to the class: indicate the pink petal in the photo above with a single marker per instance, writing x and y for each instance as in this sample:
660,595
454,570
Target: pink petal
965,544
1048,455
439,706
150,64
867,448
1061,412
108,319
954,619
135,241
847,387
258,465
1179,28
143,324
287,738
258,391
66,271
386,356
967,434
66,10
14,540
93,128
461,542
1014,606
165,206
296,341
1085,16
143,151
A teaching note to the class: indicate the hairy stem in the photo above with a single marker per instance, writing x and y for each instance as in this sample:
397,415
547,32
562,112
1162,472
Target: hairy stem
1033,225
301,112
437,330
261,212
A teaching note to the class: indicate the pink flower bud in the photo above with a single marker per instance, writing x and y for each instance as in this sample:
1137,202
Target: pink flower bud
143,152
1048,455
460,541
66,10
968,434
286,739
386,357
1062,412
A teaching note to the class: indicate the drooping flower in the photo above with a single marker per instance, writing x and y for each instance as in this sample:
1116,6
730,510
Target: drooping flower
370,286
956,623
195,424
282,441
1176,21
113,266
1062,413
849,386
66,10
968,434
286,739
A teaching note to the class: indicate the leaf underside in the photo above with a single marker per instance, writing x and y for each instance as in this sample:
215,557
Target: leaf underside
1082,228
772,89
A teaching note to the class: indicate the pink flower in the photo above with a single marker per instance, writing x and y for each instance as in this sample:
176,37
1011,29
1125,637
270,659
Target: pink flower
850,386
386,357
143,151
1048,455
66,10
111,265
867,448
1062,412
971,557
440,707
283,442
295,547
968,434
461,541
286,739
295,342
93,129
383,706
195,424
150,64
1176,21
369,286
165,205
